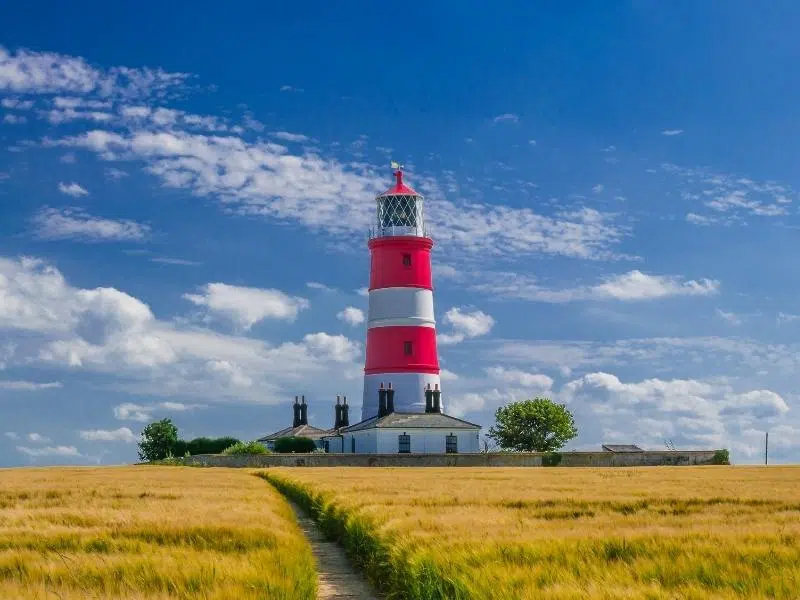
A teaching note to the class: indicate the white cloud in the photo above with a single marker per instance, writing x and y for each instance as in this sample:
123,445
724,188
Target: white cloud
50,451
142,413
28,386
520,378
465,325
246,306
16,103
697,413
631,286
69,158
109,332
11,119
123,434
75,224
315,285
672,132
12,435
289,137
731,198
506,118
38,438
165,260
26,71
783,317
290,88
532,142
72,189
730,317
636,285
351,315
363,292
265,179
598,189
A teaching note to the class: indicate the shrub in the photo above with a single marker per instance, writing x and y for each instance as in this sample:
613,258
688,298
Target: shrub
246,448
287,445
721,457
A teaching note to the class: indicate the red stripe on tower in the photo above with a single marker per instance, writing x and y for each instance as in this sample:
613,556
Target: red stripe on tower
401,333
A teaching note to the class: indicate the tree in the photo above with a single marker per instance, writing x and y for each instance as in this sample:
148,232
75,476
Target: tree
159,439
538,425
299,444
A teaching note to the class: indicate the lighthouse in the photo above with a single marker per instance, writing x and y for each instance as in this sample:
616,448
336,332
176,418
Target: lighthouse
401,329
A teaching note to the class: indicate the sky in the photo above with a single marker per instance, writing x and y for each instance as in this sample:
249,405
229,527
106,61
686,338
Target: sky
186,194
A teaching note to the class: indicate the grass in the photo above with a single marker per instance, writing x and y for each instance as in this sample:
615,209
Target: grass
566,533
148,533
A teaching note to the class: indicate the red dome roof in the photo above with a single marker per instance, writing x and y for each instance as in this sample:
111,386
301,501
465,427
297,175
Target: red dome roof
399,188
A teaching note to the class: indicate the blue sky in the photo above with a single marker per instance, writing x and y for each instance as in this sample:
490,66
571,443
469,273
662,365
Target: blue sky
185,196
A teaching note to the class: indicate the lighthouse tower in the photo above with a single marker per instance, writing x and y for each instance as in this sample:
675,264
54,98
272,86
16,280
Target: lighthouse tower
401,333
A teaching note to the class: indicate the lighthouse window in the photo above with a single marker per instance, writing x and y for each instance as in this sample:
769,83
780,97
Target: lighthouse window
407,348
406,260
404,444
451,444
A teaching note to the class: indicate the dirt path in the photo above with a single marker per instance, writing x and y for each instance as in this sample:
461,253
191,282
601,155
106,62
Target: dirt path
338,580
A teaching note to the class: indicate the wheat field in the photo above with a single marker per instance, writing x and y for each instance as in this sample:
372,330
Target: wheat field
148,533
566,533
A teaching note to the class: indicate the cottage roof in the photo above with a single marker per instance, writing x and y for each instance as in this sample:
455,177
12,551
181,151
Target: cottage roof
405,420
308,431
622,448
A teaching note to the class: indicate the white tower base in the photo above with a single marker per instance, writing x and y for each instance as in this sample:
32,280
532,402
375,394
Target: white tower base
409,393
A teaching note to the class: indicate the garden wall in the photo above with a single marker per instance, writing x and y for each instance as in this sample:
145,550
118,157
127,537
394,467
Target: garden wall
521,459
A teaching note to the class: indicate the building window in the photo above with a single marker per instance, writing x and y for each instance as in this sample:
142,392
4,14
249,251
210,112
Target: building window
408,348
451,444
407,261
404,444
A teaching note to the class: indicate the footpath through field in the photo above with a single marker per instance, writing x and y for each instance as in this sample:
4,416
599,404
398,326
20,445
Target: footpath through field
337,579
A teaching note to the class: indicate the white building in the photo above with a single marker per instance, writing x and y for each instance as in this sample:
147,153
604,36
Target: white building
406,433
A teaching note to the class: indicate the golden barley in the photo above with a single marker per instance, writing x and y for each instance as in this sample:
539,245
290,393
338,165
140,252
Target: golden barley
656,533
148,533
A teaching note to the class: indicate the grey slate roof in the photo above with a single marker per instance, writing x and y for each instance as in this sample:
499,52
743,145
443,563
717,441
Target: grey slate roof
308,431
622,448
403,420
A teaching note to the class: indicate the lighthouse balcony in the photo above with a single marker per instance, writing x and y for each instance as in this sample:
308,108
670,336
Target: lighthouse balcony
399,230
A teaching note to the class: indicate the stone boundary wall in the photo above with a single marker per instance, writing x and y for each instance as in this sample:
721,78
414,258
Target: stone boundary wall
520,459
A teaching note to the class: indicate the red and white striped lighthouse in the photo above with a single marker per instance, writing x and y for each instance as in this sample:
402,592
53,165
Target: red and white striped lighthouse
401,330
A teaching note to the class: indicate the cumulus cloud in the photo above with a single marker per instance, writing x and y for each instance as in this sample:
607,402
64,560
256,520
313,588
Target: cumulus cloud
246,306
465,325
520,378
75,224
72,189
351,315
631,286
105,330
123,434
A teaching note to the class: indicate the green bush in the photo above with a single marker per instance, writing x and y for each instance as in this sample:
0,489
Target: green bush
287,445
246,448
203,445
551,459
721,457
